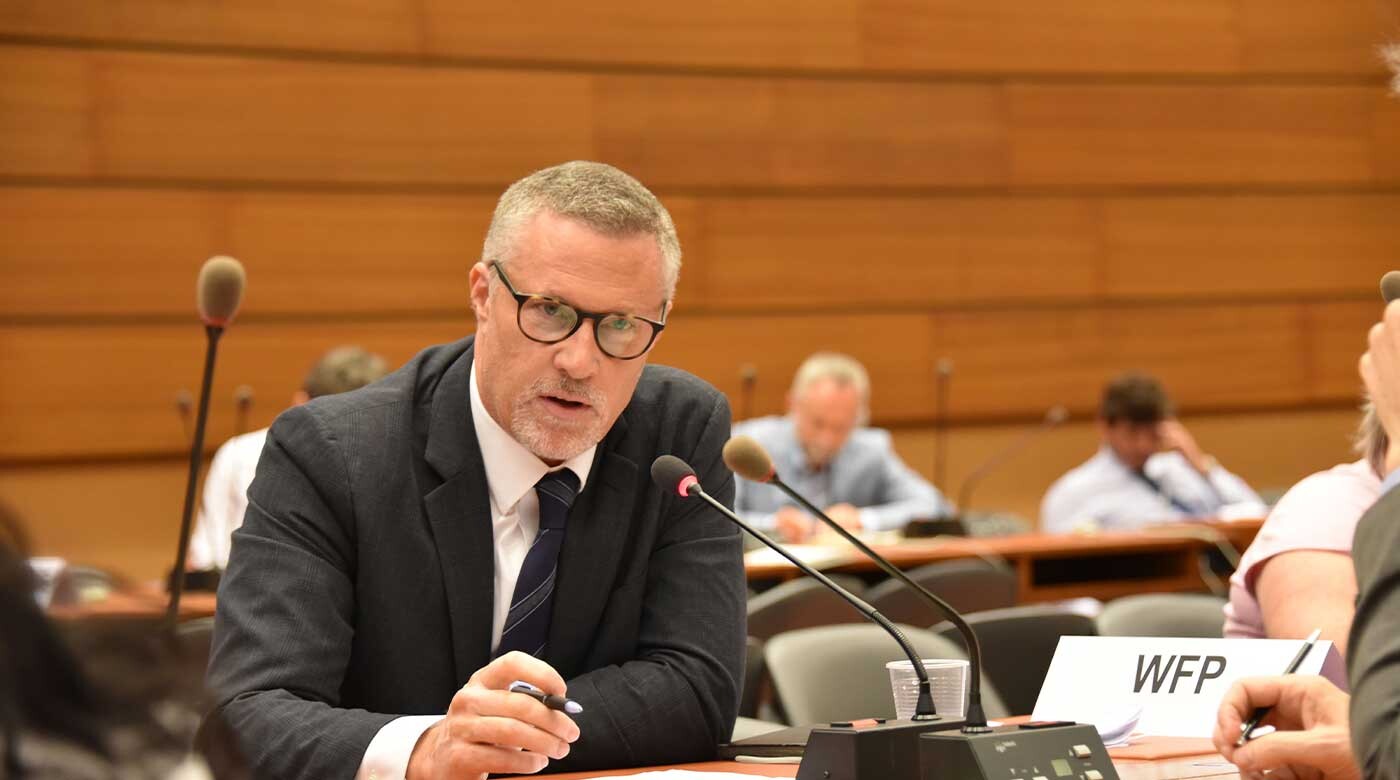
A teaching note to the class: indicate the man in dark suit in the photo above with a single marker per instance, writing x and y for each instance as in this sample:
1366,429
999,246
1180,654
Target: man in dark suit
484,515
1323,732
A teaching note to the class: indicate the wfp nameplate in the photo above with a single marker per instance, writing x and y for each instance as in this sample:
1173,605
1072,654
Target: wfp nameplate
1170,687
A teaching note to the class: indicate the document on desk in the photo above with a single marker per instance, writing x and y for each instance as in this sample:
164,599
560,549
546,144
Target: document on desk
818,556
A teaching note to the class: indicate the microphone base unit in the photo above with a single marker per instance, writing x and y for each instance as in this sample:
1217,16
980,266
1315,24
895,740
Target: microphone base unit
944,525
887,750
1030,751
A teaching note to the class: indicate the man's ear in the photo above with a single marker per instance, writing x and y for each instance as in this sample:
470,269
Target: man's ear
479,287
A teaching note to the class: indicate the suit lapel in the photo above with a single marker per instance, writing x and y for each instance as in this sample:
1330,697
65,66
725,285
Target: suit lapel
459,514
599,524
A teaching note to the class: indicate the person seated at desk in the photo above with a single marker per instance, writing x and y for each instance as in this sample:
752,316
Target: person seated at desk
484,515
1148,469
822,449
225,496
1321,731
1297,574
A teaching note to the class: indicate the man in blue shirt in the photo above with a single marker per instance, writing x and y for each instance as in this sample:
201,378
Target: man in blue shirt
824,451
1148,469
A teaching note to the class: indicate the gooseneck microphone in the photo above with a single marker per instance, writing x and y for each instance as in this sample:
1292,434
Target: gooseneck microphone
218,292
748,380
1390,286
943,381
673,474
747,458
1053,417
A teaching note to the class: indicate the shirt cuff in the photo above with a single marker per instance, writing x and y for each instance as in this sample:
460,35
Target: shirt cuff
387,756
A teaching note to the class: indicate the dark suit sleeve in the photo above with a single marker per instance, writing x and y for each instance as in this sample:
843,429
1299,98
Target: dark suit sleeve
678,698
284,622
1374,649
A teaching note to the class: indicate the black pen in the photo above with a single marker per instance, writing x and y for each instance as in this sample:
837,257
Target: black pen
559,703
1247,730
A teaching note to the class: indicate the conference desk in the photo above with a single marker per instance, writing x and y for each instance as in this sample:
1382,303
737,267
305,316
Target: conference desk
1104,565
141,603
1211,766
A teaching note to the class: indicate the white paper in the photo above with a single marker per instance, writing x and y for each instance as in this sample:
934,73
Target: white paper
815,555
1176,684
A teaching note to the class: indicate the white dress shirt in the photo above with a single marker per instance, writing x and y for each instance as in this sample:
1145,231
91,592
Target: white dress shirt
1103,493
511,474
225,499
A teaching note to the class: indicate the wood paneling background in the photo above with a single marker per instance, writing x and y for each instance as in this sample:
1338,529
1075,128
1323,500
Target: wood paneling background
1045,194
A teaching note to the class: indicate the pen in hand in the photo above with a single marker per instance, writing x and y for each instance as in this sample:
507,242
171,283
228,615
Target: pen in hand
558,703
1247,728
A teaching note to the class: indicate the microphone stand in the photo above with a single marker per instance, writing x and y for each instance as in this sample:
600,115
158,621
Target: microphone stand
177,576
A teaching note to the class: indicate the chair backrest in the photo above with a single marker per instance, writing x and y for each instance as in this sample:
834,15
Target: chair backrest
835,673
1164,614
972,585
754,674
800,603
1017,646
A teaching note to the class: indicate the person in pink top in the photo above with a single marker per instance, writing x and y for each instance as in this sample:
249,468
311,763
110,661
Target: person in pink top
1297,575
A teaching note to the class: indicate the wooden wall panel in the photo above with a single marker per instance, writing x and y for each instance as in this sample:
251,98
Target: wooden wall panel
330,25
1198,134
168,117
871,36
46,121
109,392
82,252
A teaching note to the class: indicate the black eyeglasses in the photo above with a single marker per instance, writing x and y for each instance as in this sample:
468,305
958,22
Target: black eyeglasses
550,321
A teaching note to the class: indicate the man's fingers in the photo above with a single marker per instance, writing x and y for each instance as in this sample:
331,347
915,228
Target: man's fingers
1277,750
508,733
469,759
512,666
474,701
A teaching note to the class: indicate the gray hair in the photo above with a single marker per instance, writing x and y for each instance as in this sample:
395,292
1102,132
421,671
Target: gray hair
1371,440
596,194
839,368
343,369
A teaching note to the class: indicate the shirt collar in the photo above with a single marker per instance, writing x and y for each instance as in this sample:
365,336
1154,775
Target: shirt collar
511,469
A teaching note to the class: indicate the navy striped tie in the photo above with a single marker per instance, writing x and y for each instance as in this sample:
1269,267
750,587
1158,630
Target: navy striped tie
527,624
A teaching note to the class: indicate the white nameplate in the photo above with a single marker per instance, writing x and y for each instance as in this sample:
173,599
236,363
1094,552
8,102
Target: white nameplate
1173,686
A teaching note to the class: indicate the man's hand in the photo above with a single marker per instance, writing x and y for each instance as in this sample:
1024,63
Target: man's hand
1380,368
1313,739
1176,437
846,516
490,730
794,525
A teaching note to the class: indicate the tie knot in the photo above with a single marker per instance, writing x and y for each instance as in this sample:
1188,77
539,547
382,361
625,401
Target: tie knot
557,491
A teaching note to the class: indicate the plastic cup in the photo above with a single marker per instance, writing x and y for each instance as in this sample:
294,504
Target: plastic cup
947,677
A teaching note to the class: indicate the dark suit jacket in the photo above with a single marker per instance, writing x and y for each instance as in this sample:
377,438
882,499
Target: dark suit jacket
360,584
1373,651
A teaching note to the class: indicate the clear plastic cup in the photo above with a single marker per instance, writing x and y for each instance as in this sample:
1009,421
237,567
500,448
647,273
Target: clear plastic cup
947,677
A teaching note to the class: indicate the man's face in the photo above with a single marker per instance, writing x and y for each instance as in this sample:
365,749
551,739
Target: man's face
825,414
560,399
1133,443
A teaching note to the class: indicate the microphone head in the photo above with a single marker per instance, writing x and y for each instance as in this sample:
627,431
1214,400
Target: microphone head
748,373
1056,415
748,459
944,367
1390,286
220,290
673,474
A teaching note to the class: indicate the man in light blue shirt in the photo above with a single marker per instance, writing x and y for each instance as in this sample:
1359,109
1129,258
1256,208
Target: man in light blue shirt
1148,469
823,451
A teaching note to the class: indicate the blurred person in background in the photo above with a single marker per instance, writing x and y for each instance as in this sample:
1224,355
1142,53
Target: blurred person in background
1297,575
225,496
96,700
823,449
1149,469
1321,731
